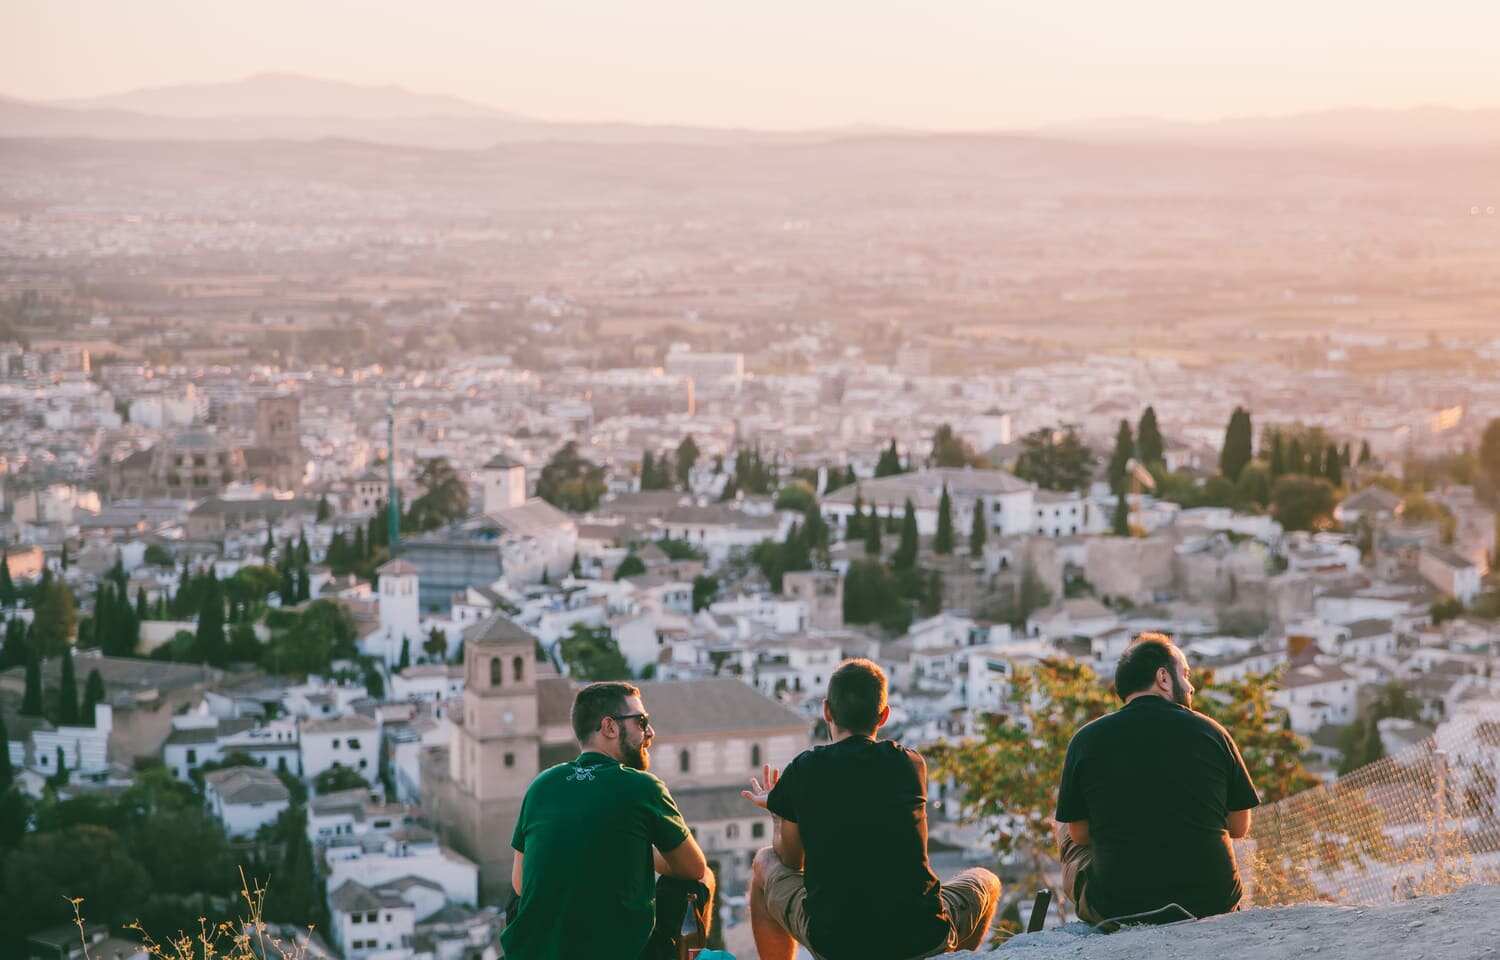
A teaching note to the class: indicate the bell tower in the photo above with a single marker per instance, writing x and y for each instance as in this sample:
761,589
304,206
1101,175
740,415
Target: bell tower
497,745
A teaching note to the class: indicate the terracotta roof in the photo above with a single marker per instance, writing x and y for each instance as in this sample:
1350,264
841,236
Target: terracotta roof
498,629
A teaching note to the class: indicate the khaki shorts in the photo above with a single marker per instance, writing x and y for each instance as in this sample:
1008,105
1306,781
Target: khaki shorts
969,899
1076,860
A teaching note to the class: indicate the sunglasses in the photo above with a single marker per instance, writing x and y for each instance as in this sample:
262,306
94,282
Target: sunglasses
644,719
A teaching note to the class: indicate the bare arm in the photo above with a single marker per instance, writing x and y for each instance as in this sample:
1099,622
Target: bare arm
786,840
685,861
1078,830
515,873
1239,823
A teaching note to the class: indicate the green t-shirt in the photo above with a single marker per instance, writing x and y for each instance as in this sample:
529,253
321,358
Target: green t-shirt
588,884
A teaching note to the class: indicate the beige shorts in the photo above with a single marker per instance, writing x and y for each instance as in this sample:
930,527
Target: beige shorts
969,899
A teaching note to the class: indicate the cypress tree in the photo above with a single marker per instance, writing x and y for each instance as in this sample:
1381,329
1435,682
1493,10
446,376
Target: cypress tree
906,552
1333,468
405,660
979,530
1120,459
15,652
141,606
1149,446
65,561
1296,462
1120,522
304,585
304,552
7,585
361,548
1278,456
648,471
1237,451
325,510
288,589
270,542
1364,452
93,695
889,463
60,778
892,525
67,694
31,700
943,541
872,534
208,640
1344,461
7,775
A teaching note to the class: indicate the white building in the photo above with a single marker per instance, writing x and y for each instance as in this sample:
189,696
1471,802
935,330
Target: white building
1315,695
410,852
350,741
400,614
356,814
1009,502
245,799
1451,572
428,683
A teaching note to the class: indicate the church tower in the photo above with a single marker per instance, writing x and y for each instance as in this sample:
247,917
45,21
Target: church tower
496,750
504,483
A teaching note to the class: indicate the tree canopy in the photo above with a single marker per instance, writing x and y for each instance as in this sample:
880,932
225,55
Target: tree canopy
570,481
1055,460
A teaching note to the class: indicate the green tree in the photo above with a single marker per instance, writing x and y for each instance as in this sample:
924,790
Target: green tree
871,595
7,585
631,566
889,463
55,617
705,590
444,497
951,450
1302,503
1150,448
93,695
1253,489
325,509
65,561
7,775
405,660
942,542
796,495
16,651
1333,467
1278,456
687,459
978,529
435,647
1365,456
1056,462
86,861
1238,448
590,653
209,644
338,777
67,695
1360,741
1119,460
311,640
872,534
570,481
1120,521
906,551
31,700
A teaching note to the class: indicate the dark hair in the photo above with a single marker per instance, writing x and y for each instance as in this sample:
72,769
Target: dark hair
597,701
1137,668
856,695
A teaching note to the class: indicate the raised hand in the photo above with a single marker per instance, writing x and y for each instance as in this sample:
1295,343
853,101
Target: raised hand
761,788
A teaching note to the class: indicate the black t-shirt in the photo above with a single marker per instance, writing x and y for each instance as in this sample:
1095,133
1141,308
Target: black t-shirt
861,809
1156,782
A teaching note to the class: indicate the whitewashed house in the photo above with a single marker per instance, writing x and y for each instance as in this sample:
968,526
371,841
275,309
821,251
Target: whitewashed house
245,799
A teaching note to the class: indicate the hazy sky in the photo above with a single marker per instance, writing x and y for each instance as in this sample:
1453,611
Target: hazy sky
771,63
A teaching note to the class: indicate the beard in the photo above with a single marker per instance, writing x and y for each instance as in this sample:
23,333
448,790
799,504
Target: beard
637,756
1181,695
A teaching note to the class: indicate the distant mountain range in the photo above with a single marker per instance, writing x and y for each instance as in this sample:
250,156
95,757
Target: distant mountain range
293,107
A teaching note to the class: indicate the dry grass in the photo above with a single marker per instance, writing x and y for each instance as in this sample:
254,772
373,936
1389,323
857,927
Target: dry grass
247,937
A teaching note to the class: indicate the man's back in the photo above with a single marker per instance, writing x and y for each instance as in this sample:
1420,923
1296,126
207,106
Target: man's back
1156,782
586,831
860,808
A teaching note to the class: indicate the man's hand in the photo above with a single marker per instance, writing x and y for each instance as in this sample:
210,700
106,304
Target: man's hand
760,789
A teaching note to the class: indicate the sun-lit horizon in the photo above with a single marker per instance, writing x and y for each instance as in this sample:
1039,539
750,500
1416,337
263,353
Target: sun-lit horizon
967,66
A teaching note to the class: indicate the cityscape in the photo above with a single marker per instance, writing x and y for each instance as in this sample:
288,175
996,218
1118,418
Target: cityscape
334,460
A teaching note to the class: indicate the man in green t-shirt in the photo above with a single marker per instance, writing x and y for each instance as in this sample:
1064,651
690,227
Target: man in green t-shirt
592,835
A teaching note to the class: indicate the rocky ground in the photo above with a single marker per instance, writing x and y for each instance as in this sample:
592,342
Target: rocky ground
1461,926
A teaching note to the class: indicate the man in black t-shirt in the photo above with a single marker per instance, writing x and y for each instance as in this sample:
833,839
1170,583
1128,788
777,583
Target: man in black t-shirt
855,813
1150,797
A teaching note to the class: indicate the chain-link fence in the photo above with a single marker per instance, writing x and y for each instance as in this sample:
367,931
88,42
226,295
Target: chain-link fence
1420,822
